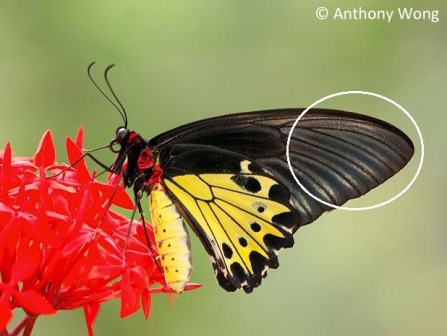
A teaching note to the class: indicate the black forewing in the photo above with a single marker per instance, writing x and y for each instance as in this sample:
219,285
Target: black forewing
336,155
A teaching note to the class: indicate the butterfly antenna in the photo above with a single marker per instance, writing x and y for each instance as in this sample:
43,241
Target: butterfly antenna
120,108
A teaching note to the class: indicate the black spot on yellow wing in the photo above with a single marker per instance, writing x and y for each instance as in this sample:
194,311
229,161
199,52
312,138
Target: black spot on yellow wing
247,182
243,241
259,206
227,251
279,193
255,227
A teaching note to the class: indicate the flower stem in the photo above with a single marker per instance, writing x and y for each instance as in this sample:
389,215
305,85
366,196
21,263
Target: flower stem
30,320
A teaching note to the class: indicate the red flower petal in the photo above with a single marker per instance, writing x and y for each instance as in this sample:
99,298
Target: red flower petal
74,153
91,311
24,268
45,154
5,311
129,300
123,200
79,139
5,172
34,303
146,302
169,290
10,234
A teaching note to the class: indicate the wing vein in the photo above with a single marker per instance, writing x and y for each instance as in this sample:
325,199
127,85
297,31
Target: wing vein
347,141
248,234
228,236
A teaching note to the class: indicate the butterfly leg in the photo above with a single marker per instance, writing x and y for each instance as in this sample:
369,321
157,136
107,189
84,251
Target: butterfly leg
102,165
138,206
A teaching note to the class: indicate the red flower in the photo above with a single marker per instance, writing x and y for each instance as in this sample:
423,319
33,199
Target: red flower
61,247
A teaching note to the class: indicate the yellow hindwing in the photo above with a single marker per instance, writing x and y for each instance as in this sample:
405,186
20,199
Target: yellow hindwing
239,217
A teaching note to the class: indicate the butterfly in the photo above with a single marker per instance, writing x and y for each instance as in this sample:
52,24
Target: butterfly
229,179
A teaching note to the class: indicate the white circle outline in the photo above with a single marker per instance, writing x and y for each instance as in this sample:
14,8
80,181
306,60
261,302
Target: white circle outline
342,93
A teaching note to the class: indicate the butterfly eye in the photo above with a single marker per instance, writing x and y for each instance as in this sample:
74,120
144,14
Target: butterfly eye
121,134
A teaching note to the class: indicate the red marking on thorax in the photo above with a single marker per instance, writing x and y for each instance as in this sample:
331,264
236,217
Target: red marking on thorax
157,175
145,162
145,159
132,136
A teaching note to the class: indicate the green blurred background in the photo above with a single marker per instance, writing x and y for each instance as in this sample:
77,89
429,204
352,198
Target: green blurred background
381,272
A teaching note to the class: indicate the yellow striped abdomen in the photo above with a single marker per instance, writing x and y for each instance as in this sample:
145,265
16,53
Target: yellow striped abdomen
172,239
